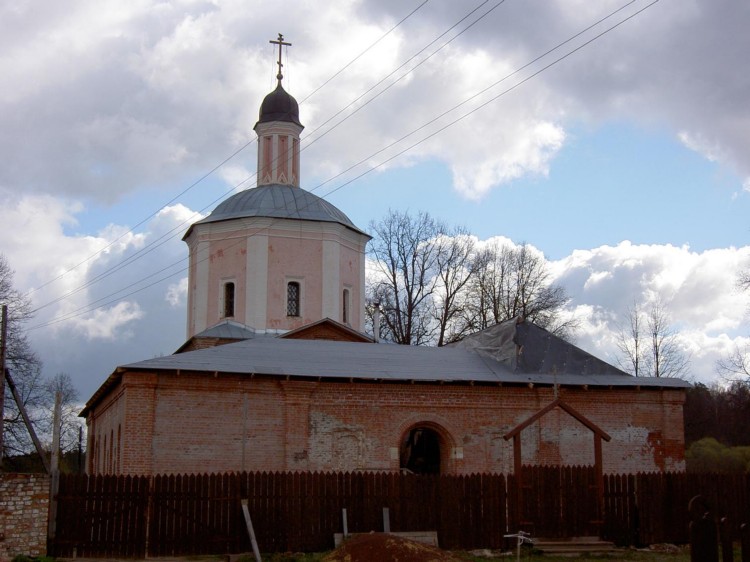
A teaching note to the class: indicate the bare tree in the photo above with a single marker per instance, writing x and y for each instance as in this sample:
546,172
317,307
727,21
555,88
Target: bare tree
666,358
36,393
456,265
736,365
649,346
69,421
404,251
630,342
434,286
512,281
743,281
21,362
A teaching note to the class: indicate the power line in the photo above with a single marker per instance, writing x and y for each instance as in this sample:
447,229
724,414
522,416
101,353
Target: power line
149,248
214,169
401,152
355,59
420,63
441,129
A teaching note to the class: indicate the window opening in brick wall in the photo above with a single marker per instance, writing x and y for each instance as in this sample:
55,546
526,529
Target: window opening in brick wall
420,452
345,307
292,299
228,300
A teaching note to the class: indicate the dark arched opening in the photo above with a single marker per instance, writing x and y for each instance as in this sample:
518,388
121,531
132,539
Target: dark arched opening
420,451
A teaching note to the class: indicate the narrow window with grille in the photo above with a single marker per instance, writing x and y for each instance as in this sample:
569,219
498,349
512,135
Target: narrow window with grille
292,298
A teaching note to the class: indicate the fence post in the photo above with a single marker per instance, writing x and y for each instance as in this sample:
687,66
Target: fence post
725,537
703,536
745,541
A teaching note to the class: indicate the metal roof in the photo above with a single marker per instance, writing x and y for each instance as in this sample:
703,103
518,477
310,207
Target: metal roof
513,352
278,201
368,361
228,330
528,348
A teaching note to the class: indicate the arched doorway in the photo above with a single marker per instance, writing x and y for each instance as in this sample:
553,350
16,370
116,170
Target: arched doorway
421,451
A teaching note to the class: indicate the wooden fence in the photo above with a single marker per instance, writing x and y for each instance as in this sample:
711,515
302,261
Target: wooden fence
109,516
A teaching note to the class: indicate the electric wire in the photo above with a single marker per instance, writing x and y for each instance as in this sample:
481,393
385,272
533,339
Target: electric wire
443,128
347,65
420,63
214,169
434,133
160,241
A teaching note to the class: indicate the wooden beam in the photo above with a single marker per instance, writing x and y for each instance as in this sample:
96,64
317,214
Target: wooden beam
519,428
27,421
559,403
518,471
599,468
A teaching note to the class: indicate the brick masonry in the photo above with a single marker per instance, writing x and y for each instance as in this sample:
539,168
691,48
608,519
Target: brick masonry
24,507
195,423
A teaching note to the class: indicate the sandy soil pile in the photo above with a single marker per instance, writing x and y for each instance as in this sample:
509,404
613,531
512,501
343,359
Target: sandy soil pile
381,547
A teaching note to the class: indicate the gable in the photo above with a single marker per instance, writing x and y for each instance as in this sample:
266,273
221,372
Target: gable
327,329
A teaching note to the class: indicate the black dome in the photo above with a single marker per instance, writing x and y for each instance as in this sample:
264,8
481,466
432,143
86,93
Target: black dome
279,106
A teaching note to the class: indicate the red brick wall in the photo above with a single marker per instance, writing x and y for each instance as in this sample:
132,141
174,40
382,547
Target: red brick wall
190,423
24,505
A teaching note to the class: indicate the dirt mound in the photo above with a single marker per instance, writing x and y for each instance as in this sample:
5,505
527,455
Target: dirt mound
382,547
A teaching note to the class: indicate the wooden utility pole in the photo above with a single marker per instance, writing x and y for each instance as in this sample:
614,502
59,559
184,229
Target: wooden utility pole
27,421
3,338
54,470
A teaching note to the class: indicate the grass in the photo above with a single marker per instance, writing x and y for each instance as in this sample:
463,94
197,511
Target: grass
529,556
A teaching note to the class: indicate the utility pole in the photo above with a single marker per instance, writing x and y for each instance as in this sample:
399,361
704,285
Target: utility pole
54,470
3,339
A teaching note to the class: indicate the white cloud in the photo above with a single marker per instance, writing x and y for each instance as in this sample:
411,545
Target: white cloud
109,323
177,293
113,96
699,289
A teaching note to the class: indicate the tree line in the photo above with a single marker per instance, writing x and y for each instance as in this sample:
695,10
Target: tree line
716,427
434,284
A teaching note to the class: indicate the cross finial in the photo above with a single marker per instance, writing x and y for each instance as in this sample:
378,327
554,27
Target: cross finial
280,42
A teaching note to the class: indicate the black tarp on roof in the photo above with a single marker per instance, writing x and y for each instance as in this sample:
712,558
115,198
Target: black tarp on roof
526,348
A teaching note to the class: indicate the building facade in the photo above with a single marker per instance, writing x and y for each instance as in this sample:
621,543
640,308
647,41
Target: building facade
277,374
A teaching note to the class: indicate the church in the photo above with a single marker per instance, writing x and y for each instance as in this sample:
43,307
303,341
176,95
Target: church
278,374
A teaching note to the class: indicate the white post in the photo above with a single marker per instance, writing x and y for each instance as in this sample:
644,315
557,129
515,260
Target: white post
250,530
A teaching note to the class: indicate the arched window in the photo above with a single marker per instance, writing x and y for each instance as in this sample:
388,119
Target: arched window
228,300
292,299
345,307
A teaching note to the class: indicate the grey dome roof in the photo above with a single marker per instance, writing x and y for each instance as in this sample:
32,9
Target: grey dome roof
279,106
278,201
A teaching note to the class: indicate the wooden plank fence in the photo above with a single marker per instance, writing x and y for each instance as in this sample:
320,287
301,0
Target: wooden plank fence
183,515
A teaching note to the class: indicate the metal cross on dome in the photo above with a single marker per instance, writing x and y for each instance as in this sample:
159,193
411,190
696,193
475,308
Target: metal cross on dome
280,42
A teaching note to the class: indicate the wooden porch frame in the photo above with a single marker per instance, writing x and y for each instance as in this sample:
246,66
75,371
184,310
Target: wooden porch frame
598,434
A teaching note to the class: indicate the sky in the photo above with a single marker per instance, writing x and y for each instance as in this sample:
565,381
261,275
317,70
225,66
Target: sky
614,137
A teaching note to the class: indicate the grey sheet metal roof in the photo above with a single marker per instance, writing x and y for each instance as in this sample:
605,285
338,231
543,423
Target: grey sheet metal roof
227,330
278,201
366,361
